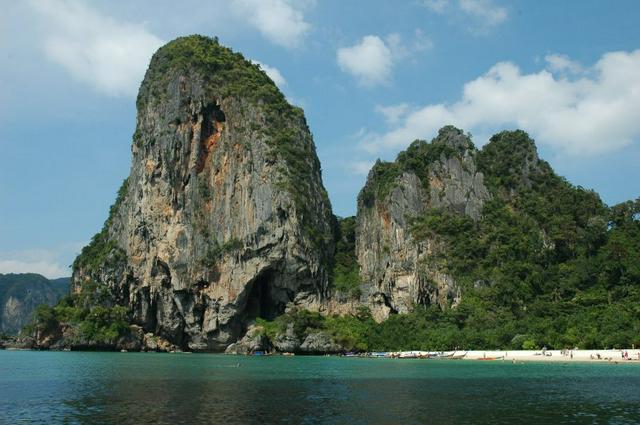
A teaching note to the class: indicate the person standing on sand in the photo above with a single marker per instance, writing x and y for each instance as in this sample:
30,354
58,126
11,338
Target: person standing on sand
571,354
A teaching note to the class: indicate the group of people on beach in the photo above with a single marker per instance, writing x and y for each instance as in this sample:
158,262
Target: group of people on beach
625,355
567,352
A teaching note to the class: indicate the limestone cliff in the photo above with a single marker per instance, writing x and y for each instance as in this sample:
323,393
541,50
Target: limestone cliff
223,217
398,272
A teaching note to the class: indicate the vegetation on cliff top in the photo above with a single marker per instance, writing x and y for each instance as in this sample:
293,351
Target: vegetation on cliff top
418,158
225,72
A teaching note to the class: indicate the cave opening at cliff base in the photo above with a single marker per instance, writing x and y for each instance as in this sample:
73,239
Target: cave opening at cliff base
261,303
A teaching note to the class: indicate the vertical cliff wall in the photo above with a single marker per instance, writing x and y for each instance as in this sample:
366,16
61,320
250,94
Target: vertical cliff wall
223,217
397,271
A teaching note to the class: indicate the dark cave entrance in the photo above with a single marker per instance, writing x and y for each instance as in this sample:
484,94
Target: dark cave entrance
261,303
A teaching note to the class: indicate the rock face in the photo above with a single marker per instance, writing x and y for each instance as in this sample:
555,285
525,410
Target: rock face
396,271
223,217
319,343
287,341
254,340
20,294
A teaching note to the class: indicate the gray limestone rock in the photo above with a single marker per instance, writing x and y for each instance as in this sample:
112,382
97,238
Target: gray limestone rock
320,342
397,271
287,342
132,341
254,340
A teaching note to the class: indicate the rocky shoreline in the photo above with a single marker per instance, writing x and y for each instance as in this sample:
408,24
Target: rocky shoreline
255,340
135,340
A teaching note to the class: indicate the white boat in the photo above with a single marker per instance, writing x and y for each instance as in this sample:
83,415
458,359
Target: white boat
414,355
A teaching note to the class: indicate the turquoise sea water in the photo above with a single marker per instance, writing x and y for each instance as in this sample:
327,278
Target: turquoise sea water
145,388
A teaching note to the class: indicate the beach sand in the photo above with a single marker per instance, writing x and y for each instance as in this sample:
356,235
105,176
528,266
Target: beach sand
606,356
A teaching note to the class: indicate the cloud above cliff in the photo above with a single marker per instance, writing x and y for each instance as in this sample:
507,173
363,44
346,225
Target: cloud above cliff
110,56
595,110
273,73
371,60
280,21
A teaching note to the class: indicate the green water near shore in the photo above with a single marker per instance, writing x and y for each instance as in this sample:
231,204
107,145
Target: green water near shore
145,388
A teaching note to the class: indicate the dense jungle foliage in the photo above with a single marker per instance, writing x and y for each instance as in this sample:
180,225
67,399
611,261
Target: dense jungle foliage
96,320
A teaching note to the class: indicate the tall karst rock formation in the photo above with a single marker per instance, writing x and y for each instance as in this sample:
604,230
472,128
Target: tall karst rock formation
446,220
399,272
223,217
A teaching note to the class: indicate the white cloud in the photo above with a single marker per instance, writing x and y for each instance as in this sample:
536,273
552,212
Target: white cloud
48,269
273,73
360,168
421,41
280,21
484,11
480,15
587,115
109,55
438,6
393,113
372,59
562,63
50,262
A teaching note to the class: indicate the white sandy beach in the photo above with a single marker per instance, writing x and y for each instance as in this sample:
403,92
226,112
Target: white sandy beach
556,355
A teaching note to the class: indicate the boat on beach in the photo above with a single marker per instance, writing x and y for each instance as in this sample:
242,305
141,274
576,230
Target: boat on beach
414,355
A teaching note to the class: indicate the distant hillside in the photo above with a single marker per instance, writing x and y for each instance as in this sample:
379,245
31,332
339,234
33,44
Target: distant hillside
20,294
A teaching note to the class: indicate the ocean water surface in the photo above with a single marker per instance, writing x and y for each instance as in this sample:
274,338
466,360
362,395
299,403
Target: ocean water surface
149,388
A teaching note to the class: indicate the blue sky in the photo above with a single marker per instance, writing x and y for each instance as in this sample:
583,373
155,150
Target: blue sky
370,75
